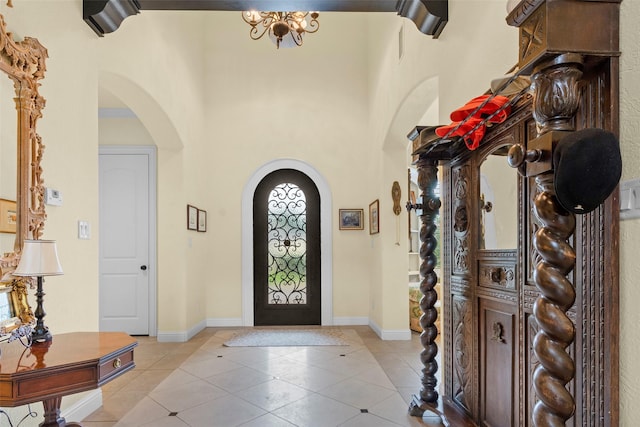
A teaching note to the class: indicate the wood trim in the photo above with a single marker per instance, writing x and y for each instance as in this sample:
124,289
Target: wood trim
106,16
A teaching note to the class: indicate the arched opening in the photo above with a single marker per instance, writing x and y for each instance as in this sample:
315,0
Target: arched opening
326,281
286,250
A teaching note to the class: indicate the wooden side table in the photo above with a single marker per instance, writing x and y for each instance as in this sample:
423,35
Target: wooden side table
70,363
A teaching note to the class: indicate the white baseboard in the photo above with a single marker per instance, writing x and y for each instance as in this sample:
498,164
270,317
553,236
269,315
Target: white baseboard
224,322
84,407
350,321
234,322
397,335
171,336
373,325
390,335
196,330
181,336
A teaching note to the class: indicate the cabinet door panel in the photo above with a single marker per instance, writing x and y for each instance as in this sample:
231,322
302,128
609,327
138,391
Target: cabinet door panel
498,340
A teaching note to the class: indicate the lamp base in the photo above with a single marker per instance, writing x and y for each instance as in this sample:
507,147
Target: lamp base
40,332
41,335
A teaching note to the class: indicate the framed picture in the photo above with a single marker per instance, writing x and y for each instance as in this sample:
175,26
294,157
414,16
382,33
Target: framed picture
351,219
192,217
374,217
202,220
8,216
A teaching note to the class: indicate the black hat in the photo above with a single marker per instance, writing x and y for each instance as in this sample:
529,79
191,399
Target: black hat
587,167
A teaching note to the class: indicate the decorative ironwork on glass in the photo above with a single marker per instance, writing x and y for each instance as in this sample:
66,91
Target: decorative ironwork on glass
287,245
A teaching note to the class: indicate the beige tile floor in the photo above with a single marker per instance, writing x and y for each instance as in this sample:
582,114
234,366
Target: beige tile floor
202,383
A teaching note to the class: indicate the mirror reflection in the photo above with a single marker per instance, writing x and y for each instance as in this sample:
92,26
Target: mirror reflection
498,202
8,163
6,309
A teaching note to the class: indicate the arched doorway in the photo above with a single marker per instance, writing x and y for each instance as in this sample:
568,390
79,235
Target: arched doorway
286,250
326,237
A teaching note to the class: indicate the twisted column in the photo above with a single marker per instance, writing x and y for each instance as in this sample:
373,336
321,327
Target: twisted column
556,98
427,181
557,295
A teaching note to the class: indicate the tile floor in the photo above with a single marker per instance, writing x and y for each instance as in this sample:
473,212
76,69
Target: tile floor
201,383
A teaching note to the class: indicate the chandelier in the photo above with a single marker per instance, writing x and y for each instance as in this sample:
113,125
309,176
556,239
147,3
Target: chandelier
285,28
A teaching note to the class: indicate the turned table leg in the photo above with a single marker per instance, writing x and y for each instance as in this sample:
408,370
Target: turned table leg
52,416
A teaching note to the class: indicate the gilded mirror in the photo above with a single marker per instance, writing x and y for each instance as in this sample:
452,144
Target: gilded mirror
498,202
22,213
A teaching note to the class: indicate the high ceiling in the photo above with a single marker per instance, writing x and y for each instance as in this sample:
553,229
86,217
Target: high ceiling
105,16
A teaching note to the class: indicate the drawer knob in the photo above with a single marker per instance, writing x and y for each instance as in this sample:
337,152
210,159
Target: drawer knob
117,363
497,275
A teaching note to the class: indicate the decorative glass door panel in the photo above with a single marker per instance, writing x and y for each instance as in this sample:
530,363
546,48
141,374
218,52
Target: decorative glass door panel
286,246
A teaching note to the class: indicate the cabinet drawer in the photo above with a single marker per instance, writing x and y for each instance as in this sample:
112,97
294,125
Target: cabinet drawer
497,275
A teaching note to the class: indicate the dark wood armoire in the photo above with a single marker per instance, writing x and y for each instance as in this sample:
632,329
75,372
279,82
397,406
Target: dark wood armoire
517,349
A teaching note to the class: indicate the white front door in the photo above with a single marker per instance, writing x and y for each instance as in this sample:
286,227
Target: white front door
127,270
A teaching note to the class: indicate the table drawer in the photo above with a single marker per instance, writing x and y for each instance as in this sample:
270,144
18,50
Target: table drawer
115,365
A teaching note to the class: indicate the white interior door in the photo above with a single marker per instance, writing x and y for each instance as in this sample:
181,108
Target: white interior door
127,270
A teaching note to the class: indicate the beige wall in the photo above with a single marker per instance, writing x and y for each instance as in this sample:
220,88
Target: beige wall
401,92
339,106
69,132
630,229
308,104
162,84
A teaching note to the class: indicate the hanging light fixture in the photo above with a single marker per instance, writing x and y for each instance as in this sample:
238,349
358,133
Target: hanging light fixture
285,28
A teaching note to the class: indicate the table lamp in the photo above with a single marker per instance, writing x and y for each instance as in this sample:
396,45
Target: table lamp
39,258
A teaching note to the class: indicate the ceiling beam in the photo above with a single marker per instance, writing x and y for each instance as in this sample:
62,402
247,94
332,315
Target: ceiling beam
278,5
105,16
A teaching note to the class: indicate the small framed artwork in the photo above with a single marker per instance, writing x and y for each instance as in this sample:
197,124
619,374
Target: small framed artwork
192,217
202,220
351,219
8,216
374,217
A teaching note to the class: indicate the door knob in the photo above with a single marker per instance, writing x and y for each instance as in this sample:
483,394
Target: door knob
143,267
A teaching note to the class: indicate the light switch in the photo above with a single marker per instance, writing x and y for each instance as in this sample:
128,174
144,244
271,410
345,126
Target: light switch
84,230
630,199
626,201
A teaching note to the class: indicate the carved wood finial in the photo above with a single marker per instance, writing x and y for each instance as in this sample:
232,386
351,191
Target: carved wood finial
556,94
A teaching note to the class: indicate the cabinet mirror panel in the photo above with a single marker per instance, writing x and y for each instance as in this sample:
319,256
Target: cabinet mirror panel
498,202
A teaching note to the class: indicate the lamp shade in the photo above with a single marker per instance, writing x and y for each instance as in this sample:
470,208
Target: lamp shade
39,258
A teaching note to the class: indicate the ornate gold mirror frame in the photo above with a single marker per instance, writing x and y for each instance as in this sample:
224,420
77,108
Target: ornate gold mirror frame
24,64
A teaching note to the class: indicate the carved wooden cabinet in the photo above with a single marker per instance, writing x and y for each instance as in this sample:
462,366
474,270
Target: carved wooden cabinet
483,282
529,324
488,294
